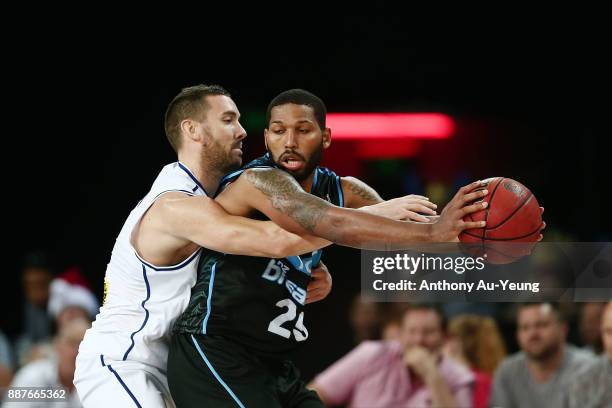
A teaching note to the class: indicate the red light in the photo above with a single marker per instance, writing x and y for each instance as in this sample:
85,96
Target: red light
360,126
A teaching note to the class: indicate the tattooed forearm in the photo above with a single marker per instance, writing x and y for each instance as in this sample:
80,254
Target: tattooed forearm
366,194
287,196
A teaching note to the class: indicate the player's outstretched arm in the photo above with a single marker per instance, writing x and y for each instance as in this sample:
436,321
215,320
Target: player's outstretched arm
202,221
277,195
358,194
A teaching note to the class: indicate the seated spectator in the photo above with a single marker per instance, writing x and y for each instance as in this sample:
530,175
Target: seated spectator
56,372
538,375
71,298
6,362
36,277
411,372
592,387
589,324
475,342
365,319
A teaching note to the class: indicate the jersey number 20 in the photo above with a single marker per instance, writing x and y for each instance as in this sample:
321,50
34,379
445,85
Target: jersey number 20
276,326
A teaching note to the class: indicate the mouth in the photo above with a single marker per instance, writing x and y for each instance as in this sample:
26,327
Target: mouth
237,149
292,162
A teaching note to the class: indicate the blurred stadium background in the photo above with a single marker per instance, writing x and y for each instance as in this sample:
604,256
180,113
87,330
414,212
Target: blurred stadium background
86,137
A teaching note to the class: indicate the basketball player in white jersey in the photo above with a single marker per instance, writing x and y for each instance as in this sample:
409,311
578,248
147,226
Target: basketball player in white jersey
122,359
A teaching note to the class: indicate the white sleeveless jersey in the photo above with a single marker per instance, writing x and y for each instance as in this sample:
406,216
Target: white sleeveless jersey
142,301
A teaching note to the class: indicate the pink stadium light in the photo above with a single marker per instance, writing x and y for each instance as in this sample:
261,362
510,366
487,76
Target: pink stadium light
369,126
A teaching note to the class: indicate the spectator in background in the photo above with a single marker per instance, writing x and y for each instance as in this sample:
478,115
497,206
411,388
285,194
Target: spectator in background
538,375
365,319
411,372
36,277
592,387
475,342
589,324
71,298
391,319
6,362
56,372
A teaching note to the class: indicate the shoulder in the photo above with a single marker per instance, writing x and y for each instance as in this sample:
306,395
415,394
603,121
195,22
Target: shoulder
593,369
173,200
512,364
269,180
358,193
373,349
579,357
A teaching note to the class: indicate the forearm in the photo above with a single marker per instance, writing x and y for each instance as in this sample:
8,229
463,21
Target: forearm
289,243
281,198
243,236
359,229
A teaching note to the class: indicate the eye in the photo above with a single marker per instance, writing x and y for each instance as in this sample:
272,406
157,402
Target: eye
304,130
279,131
227,120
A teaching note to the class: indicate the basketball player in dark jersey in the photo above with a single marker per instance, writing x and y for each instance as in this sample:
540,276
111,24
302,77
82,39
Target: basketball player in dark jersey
246,314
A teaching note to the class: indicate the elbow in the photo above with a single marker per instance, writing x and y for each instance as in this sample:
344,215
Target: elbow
284,247
282,243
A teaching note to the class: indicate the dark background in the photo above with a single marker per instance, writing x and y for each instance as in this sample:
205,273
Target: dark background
84,130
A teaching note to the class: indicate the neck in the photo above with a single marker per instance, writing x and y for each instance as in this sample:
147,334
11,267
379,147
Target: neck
208,176
543,369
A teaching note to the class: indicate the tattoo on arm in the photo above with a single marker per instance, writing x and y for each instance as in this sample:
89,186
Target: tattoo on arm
287,196
363,191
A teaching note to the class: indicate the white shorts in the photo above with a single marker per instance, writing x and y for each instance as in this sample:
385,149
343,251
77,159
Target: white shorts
101,382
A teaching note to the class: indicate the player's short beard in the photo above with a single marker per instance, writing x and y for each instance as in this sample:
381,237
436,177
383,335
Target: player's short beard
309,166
216,158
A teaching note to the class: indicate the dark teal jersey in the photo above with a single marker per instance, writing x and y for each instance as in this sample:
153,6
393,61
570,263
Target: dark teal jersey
256,302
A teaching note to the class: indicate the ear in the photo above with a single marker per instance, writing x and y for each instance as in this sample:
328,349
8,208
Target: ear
189,128
266,138
326,138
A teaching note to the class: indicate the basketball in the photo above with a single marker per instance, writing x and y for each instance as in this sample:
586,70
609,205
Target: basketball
513,220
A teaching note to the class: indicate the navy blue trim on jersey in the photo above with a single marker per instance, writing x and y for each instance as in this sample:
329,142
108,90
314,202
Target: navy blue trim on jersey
211,284
102,360
314,180
144,275
214,372
340,192
110,368
190,174
169,268
171,191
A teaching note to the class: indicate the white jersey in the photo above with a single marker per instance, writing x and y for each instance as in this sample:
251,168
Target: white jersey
142,301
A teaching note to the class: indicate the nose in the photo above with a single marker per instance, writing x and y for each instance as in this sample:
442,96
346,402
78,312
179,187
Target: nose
290,140
241,134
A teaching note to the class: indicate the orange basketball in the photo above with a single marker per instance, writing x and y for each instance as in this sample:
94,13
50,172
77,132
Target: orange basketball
513,220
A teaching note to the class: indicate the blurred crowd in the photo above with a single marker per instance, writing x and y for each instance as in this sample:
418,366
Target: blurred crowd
449,354
456,355
57,310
